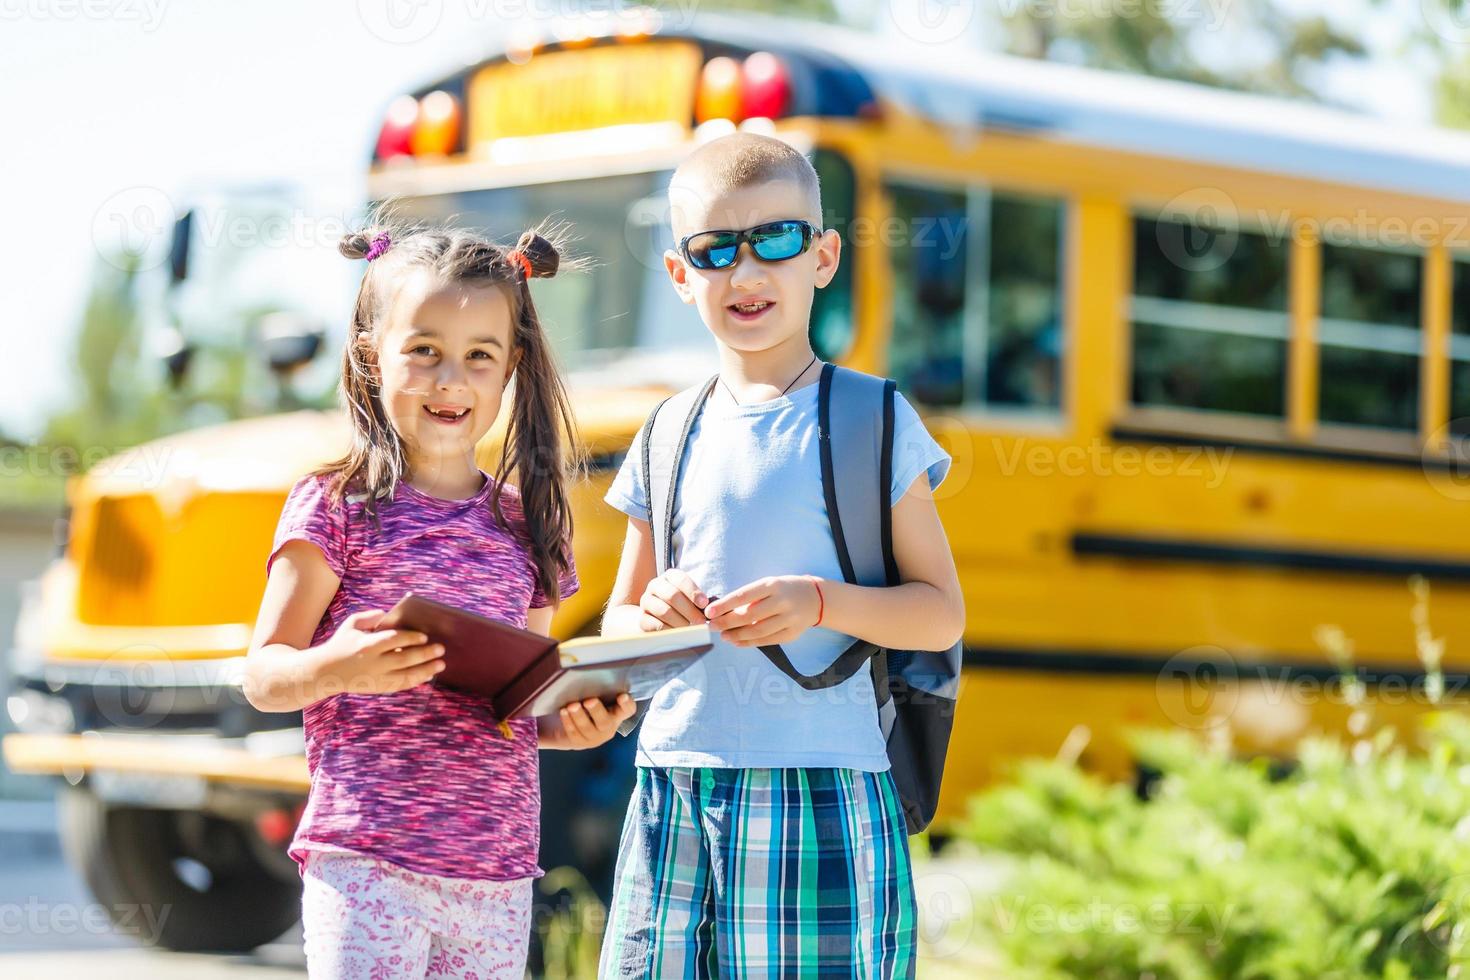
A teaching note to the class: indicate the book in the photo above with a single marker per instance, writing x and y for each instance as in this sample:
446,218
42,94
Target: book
526,675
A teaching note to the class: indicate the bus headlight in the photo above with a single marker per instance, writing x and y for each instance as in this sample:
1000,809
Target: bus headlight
39,714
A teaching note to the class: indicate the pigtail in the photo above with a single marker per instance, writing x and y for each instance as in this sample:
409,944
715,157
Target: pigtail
355,244
542,255
541,434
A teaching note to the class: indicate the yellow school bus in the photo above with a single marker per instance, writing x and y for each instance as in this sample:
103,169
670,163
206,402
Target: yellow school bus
1202,361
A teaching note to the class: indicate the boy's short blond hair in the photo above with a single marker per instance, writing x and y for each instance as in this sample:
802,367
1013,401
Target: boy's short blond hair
743,160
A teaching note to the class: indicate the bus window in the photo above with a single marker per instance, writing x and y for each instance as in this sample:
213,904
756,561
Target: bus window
1460,351
1023,337
976,297
1369,337
618,310
927,357
1209,318
831,323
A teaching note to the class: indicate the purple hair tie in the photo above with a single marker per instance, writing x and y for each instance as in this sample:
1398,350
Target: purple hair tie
379,246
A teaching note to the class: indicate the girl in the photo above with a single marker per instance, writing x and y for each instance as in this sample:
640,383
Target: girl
418,842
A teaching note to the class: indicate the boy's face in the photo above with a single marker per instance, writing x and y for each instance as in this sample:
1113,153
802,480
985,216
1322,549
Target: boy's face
751,305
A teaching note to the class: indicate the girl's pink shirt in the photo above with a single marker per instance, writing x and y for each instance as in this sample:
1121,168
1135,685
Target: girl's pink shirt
422,778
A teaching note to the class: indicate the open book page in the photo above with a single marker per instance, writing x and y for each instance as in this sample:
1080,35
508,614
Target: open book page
603,668
585,651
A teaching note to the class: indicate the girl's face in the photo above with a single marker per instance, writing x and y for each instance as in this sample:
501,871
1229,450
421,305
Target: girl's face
445,355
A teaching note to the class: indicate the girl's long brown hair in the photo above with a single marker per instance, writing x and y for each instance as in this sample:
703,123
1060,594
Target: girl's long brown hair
541,445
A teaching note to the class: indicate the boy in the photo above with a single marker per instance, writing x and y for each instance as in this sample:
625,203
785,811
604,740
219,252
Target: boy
764,836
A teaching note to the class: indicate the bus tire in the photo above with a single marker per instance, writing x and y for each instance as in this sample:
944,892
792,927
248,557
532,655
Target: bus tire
138,864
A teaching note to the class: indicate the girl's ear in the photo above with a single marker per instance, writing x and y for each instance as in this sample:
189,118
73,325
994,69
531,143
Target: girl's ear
678,275
829,255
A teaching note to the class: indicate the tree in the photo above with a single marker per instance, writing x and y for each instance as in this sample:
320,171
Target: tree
1151,42
120,400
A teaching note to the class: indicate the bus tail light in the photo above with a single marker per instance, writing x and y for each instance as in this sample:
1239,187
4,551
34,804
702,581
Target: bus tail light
765,86
436,130
760,87
395,139
719,91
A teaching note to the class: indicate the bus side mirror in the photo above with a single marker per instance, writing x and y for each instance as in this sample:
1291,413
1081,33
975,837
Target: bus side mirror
178,250
177,354
290,341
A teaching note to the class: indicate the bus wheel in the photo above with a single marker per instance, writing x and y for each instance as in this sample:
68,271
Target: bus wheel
178,879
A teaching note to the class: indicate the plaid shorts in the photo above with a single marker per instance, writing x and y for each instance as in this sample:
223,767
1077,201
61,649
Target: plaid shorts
762,872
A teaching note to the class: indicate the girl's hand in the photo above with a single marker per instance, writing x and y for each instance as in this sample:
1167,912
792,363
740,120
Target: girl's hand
359,660
769,610
670,601
584,724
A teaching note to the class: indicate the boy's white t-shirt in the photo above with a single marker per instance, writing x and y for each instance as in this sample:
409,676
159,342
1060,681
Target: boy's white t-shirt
751,505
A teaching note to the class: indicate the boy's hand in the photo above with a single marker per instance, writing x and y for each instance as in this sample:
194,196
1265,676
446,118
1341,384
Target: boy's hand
670,601
360,659
768,610
586,724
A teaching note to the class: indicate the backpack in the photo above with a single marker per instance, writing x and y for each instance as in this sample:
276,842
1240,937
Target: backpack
916,689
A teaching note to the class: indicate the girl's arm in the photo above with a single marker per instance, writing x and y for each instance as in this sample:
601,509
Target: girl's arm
284,672
925,612
580,724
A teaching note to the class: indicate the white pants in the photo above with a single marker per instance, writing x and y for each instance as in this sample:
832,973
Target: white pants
364,918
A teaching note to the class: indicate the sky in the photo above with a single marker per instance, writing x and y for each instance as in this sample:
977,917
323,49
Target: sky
117,105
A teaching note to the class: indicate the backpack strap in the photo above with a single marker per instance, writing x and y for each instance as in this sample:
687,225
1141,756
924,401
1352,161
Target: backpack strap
852,441
664,443
665,438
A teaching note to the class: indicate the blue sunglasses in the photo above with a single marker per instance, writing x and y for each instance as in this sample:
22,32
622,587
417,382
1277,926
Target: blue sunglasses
775,241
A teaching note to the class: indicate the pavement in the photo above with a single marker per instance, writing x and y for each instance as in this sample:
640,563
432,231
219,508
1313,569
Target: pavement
50,927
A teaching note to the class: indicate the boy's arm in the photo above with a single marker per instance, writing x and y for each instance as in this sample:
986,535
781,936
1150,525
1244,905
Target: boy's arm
643,603
925,612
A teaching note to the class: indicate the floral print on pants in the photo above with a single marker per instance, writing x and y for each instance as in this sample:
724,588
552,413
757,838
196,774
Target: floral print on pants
368,919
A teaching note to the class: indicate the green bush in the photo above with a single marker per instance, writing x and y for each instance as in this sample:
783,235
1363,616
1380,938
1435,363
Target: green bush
1356,863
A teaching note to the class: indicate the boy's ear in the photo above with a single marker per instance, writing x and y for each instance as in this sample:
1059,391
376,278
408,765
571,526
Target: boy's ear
678,275
829,255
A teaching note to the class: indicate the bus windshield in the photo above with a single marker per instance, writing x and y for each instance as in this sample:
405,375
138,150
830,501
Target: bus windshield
617,319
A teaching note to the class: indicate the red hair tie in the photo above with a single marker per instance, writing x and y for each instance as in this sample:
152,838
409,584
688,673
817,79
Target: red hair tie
517,256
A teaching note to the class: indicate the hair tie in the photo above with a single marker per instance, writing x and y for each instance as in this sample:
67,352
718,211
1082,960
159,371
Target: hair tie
520,258
380,244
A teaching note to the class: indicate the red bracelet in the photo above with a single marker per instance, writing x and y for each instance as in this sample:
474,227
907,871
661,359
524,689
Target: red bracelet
821,601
